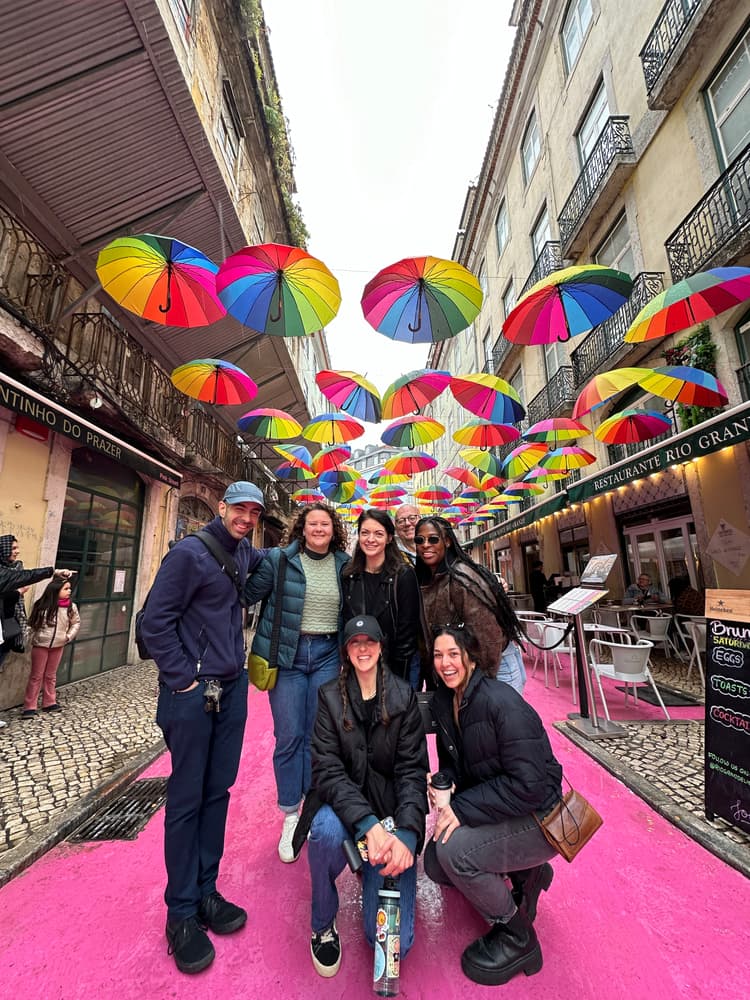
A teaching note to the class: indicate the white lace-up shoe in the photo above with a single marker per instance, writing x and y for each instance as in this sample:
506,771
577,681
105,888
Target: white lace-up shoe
286,851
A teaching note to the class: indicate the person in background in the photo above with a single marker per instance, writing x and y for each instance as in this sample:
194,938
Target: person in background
379,582
369,765
537,585
643,592
308,653
457,590
54,622
193,628
494,748
406,519
685,598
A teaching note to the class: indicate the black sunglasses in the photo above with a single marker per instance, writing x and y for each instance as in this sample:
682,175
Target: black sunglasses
427,539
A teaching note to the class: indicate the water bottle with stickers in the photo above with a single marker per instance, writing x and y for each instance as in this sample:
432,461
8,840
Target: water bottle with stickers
387,939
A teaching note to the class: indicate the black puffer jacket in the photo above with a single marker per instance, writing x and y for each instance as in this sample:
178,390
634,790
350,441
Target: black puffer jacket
379,770
500,758
11,580
396,605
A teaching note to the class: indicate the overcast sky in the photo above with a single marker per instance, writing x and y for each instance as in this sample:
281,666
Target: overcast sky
390,104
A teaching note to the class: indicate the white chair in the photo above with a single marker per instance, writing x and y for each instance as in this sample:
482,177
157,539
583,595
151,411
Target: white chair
531,616
655,629
552,633
696,631
605,616
534,629
522,602
629,664
684,641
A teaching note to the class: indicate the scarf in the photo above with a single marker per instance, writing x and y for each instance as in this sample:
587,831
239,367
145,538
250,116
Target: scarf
19,611
64,602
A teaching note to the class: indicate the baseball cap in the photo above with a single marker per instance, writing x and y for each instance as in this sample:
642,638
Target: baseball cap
363,625
243,492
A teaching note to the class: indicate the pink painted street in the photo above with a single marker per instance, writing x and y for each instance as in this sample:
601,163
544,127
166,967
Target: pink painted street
644,910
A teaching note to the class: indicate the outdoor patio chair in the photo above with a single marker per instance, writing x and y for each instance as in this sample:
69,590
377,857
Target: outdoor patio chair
629,664
552,633
605,616
684,641
655,629
696,631
531,616
534,629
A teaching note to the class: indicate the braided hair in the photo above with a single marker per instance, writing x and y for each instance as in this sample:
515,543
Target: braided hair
346,670
492,596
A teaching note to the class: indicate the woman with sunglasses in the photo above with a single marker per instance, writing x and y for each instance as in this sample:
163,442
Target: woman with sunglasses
456,589
494,749
379,582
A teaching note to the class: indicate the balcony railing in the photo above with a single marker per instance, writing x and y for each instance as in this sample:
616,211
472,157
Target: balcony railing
717,230
614,142
606,339
500,352
669,28
557,396
549,260
617,452
743,378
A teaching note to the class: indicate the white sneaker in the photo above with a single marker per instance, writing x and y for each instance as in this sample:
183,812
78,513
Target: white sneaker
2,723
286,851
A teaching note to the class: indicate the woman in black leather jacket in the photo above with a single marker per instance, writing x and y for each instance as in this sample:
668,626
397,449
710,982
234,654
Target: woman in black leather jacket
380,582
369,767
497,754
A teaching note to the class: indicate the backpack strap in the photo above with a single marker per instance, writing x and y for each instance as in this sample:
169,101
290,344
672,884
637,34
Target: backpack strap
224,559
276,627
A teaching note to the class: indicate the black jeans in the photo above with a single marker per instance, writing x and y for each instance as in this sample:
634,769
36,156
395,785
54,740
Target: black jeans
205,748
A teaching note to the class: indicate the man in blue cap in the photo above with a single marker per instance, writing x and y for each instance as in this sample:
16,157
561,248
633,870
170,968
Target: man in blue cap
193,627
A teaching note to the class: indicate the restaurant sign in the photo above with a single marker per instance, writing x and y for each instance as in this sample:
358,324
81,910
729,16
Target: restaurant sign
23,400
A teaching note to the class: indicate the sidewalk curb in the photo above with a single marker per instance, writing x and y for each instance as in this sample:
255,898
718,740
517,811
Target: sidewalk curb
34,847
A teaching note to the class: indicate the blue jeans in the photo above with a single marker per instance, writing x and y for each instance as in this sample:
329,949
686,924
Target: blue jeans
415,666
294,705
512,669
326,859
205,749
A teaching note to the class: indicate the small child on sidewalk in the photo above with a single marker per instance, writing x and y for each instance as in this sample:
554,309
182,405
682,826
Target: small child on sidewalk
54,622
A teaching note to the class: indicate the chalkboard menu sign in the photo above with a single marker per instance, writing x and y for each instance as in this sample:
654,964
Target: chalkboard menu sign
728,706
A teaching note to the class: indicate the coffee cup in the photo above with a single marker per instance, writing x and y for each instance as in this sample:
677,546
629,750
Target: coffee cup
441,786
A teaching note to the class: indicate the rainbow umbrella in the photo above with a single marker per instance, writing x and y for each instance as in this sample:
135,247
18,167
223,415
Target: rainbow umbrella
433,493
413,391
410,462
469,498
278,289
488,396
386,503
293,471
161,279
539,475
523,489
492,507
628,426
330,458
307,496
556,431
351,393
604,386
489,482
483,460
463,475
412,431
566,303
387,493
482,434
332,428
690,301
383,477
341,492
686,385
506,498
523,458
212,380
421,300
295,454
453,514
341,474
269,423
567,459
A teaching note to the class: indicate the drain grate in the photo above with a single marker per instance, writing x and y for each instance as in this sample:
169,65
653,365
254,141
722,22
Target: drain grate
127,815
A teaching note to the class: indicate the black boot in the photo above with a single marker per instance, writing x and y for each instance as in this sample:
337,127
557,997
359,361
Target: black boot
503,952
527,884
190,945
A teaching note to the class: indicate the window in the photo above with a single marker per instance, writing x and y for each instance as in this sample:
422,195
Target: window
555,357
181,11
482,278
593,124
509,299
729,100
541,233
487,348
530,148
616,250
502,230
229,127
573,31
516,381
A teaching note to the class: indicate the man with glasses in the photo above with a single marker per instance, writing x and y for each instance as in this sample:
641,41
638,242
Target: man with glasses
406,521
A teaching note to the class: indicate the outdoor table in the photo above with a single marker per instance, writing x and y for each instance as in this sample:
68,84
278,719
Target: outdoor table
623,611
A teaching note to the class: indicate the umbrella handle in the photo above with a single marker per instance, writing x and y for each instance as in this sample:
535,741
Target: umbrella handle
168,306
277,317
419,308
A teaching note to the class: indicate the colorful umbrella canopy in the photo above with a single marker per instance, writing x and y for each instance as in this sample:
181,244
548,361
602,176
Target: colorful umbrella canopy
566,303
412,431
556,431
433,493
384,477
421,300
293,471
413,391
410,462
567,459
632,425
278,289
463,475
351,393
489,482
686,385
604,386
523,489
690,301
453,514
295,454
387,492
488,396
470,498
341,474
333,428
212,380
161,279
330,458
341,492
539,475
269,423
307,496
483,460
523,458
482,434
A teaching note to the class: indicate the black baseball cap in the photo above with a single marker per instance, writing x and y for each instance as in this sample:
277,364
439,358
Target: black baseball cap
363,625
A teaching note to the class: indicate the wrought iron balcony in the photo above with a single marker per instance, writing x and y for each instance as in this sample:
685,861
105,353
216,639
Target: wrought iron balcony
556,397
717,231
617,452
549,260
599,182
605,340
500,352
665,35
743,378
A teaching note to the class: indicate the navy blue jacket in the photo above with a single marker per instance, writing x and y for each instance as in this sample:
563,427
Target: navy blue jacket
193,612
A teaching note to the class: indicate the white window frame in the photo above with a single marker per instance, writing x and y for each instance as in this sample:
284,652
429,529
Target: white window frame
592,123
482,278
516,381
502,227
531,147
229,128
182,12
573,32
718,121
615,261
509,295
540,227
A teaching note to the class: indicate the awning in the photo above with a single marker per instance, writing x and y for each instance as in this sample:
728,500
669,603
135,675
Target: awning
31,404
557,502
